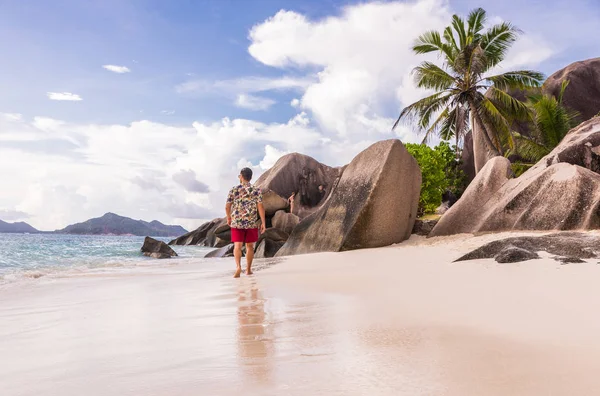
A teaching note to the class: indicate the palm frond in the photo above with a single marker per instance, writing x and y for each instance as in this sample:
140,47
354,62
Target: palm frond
449,127
518,79
476,64
423,108
497,40
459,27
529,149
509,105
563,88
435,125
431,41
552,120
451,43
431,76
476,20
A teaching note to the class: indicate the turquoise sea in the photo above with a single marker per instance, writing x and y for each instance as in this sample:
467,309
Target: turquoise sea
37,255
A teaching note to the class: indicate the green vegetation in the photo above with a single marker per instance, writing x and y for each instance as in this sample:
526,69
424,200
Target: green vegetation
469,53
440,173
550,122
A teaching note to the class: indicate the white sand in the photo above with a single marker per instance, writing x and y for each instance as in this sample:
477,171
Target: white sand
402,320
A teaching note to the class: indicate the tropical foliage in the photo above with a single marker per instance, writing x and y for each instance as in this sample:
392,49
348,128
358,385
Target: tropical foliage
440,173
550,123
469,53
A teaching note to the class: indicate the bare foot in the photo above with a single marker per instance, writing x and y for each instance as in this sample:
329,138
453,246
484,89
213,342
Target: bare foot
238,272
249,272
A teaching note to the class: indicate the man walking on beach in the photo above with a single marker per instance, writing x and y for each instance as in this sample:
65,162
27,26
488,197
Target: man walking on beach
244,206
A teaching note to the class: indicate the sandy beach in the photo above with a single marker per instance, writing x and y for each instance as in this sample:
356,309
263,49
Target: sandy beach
402,320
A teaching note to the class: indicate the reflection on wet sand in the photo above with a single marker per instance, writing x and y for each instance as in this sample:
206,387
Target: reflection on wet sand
254,338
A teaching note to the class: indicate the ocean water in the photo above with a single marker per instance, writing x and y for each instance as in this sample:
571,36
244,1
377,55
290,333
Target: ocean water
36,255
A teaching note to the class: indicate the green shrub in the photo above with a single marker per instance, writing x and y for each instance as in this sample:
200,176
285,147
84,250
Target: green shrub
440,172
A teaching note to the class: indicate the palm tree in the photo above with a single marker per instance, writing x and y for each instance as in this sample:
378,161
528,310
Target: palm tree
551,122
460,101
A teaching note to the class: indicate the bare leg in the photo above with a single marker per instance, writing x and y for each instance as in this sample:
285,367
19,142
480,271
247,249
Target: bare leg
237,254
249,257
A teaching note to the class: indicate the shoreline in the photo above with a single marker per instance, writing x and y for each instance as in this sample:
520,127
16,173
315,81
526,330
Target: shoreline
397,320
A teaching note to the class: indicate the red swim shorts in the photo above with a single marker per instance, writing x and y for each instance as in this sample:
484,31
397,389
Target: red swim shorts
249,235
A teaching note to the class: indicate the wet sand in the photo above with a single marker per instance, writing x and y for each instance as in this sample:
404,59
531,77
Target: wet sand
402,320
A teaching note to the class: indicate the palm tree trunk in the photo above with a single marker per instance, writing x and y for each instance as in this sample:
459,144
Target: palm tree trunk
456,150
483,147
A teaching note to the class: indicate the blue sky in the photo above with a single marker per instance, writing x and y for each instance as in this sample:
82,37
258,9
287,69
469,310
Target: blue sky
207,86
59,45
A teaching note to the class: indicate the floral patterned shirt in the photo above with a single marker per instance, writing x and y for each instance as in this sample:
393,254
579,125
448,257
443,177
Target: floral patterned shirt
244,200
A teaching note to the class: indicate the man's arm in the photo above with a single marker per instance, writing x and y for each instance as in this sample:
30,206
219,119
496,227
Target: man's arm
261,213
228,211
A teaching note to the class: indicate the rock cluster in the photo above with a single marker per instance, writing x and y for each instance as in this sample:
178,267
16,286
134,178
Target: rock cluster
561,192
582,95
370,202
374,204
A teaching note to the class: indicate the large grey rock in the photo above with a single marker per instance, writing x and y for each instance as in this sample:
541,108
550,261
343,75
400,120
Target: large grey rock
225,251
221,232
274,234
374,204
269,242
197,236
583,92
214,233
268,248
561,192
285,221
581,146
513,254
296,174
272,202
157,249
563,244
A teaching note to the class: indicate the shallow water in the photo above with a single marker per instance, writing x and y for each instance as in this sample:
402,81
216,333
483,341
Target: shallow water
26,256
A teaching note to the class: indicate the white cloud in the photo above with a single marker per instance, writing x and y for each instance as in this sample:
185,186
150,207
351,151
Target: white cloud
117,69
295,103
253,102
46,123
167,112
364,72
15,117
271,156
240,90
360,68
68,96
245,85
530,51
187,179
10,215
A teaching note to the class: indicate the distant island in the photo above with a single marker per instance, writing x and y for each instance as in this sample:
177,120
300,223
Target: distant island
19,227
113,224
109,224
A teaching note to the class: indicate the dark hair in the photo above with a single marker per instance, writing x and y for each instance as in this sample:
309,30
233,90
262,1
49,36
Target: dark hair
246,174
